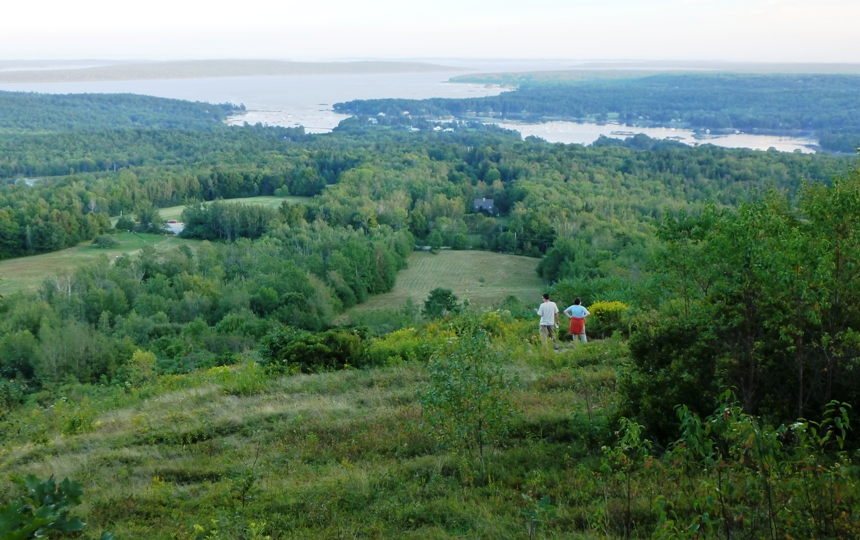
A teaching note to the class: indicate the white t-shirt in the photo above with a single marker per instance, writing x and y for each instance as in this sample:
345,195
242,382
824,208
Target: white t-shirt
547,312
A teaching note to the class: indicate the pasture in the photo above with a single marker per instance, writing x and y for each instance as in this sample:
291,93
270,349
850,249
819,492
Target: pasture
27,273
175,212
482,277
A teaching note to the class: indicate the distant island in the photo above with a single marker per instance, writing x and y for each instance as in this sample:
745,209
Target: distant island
199,69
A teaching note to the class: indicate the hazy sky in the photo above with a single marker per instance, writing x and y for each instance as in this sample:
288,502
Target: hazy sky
749,30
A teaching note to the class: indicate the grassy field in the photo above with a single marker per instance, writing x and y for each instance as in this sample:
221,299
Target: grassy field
175,212
232,453
29,272
484,278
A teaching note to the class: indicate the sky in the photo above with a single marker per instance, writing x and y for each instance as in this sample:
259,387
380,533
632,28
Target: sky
728,30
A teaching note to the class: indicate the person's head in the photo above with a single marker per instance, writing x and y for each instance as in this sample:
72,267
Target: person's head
577,301
546,297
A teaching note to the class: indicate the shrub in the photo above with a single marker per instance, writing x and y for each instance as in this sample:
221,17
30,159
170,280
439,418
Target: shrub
141,368
125,223
440,303
674,363
42,509
17,353
607,318
404,344
247,380
756,481
466,403
75,418
105,241
11,395
290,349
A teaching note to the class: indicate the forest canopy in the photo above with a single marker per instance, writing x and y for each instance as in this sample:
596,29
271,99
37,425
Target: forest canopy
29,111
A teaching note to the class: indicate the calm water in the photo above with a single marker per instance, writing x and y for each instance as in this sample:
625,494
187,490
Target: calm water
573,133
307,100
283,100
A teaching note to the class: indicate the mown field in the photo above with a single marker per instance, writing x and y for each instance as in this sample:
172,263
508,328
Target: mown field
175,212
26,273
482,277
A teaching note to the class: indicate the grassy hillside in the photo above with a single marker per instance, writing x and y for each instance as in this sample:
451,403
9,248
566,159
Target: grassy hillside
483,277
232,453
236,452
175,212
27,273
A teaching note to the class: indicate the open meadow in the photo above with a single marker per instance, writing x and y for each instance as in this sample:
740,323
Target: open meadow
175,212
27,273
482,277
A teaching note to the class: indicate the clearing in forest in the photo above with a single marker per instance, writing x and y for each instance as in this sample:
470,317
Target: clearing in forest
175,212
29,272
485,278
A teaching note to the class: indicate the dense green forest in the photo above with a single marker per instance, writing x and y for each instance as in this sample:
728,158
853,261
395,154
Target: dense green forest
721,367
91,176
823,105
28,111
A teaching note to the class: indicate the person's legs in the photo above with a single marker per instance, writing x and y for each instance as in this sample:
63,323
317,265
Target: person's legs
582,336
551,332
543,334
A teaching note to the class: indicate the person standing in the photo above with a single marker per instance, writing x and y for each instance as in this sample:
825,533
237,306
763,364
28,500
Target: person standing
577,314
548,312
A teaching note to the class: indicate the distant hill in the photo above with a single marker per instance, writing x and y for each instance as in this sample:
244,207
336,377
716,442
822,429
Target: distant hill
632,69
201,69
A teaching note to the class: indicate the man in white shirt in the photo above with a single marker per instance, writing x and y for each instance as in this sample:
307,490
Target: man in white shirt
548,312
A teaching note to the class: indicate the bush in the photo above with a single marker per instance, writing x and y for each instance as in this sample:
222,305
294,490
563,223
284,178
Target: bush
138,370
466,403
405,345
440,303
125,223
11,395
42,509
607,318
674,363
247,380
289,349
105,241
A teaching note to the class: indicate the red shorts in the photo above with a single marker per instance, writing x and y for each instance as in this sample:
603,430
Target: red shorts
577,326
